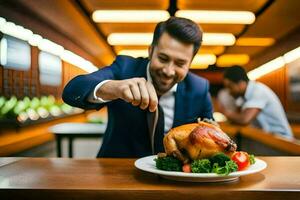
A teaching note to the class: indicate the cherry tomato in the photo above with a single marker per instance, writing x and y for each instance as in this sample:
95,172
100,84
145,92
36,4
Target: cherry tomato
241,158
187,168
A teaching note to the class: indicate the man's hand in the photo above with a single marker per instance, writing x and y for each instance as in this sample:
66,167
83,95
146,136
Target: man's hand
136,91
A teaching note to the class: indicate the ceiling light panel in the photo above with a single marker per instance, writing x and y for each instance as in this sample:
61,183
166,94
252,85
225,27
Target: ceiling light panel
217,50
266,68
292,55
227,60
130,16
226,39
217,17
219,39
204,59
252,41
134,52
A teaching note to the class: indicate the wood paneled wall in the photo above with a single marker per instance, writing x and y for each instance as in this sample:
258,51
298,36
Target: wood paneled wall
278,81
69,72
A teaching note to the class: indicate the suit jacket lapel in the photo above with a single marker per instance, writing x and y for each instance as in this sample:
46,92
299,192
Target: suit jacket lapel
142,69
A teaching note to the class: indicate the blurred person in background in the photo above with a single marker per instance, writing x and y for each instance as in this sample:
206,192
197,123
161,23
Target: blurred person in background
131,88
261,107
227,101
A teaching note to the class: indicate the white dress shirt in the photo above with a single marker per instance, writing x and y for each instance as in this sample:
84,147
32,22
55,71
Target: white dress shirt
272,116
166,101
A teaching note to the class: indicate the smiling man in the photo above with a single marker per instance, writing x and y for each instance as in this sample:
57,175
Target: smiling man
131,88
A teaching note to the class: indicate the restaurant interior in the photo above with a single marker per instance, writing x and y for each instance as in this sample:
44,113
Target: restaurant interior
46,43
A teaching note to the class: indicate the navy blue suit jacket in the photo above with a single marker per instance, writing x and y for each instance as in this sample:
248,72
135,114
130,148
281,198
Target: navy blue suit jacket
127,130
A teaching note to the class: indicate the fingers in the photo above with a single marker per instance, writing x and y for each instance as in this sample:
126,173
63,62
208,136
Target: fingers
153,100
144,103
136,94
139,92
126,94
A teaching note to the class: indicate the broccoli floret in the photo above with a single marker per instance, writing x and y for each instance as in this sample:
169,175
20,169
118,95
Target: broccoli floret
219,158
168,163
252,159
230,166
201,166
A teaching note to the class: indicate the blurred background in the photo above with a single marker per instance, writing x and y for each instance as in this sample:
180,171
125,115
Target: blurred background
45,43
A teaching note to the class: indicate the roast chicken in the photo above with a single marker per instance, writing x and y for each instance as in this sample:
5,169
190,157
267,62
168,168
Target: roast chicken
196,141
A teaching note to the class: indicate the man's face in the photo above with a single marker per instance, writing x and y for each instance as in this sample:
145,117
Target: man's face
169,62
234,88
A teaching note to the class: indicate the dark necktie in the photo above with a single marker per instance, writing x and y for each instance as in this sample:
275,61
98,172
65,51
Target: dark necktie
156,124
159,132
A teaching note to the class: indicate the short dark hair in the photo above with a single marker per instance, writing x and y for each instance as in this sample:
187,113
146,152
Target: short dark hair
236,74
182,29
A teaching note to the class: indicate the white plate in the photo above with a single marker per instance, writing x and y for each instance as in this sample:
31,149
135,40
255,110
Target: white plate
148,164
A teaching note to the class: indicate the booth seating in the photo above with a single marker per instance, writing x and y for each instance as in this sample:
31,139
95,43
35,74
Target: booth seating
75,130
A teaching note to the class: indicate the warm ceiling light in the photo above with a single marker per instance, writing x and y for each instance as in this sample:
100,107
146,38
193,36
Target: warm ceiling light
199,66
50,47
35,39
130,38
292,55
217,50
218,17
251,41
266,68
275,64
134,16
203,59
220,39
226,39
134,53
9,28
228,60
200,61
76,60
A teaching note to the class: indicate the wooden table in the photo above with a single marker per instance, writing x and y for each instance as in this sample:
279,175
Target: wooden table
64,178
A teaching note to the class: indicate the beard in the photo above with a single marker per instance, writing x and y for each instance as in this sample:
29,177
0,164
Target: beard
162,84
